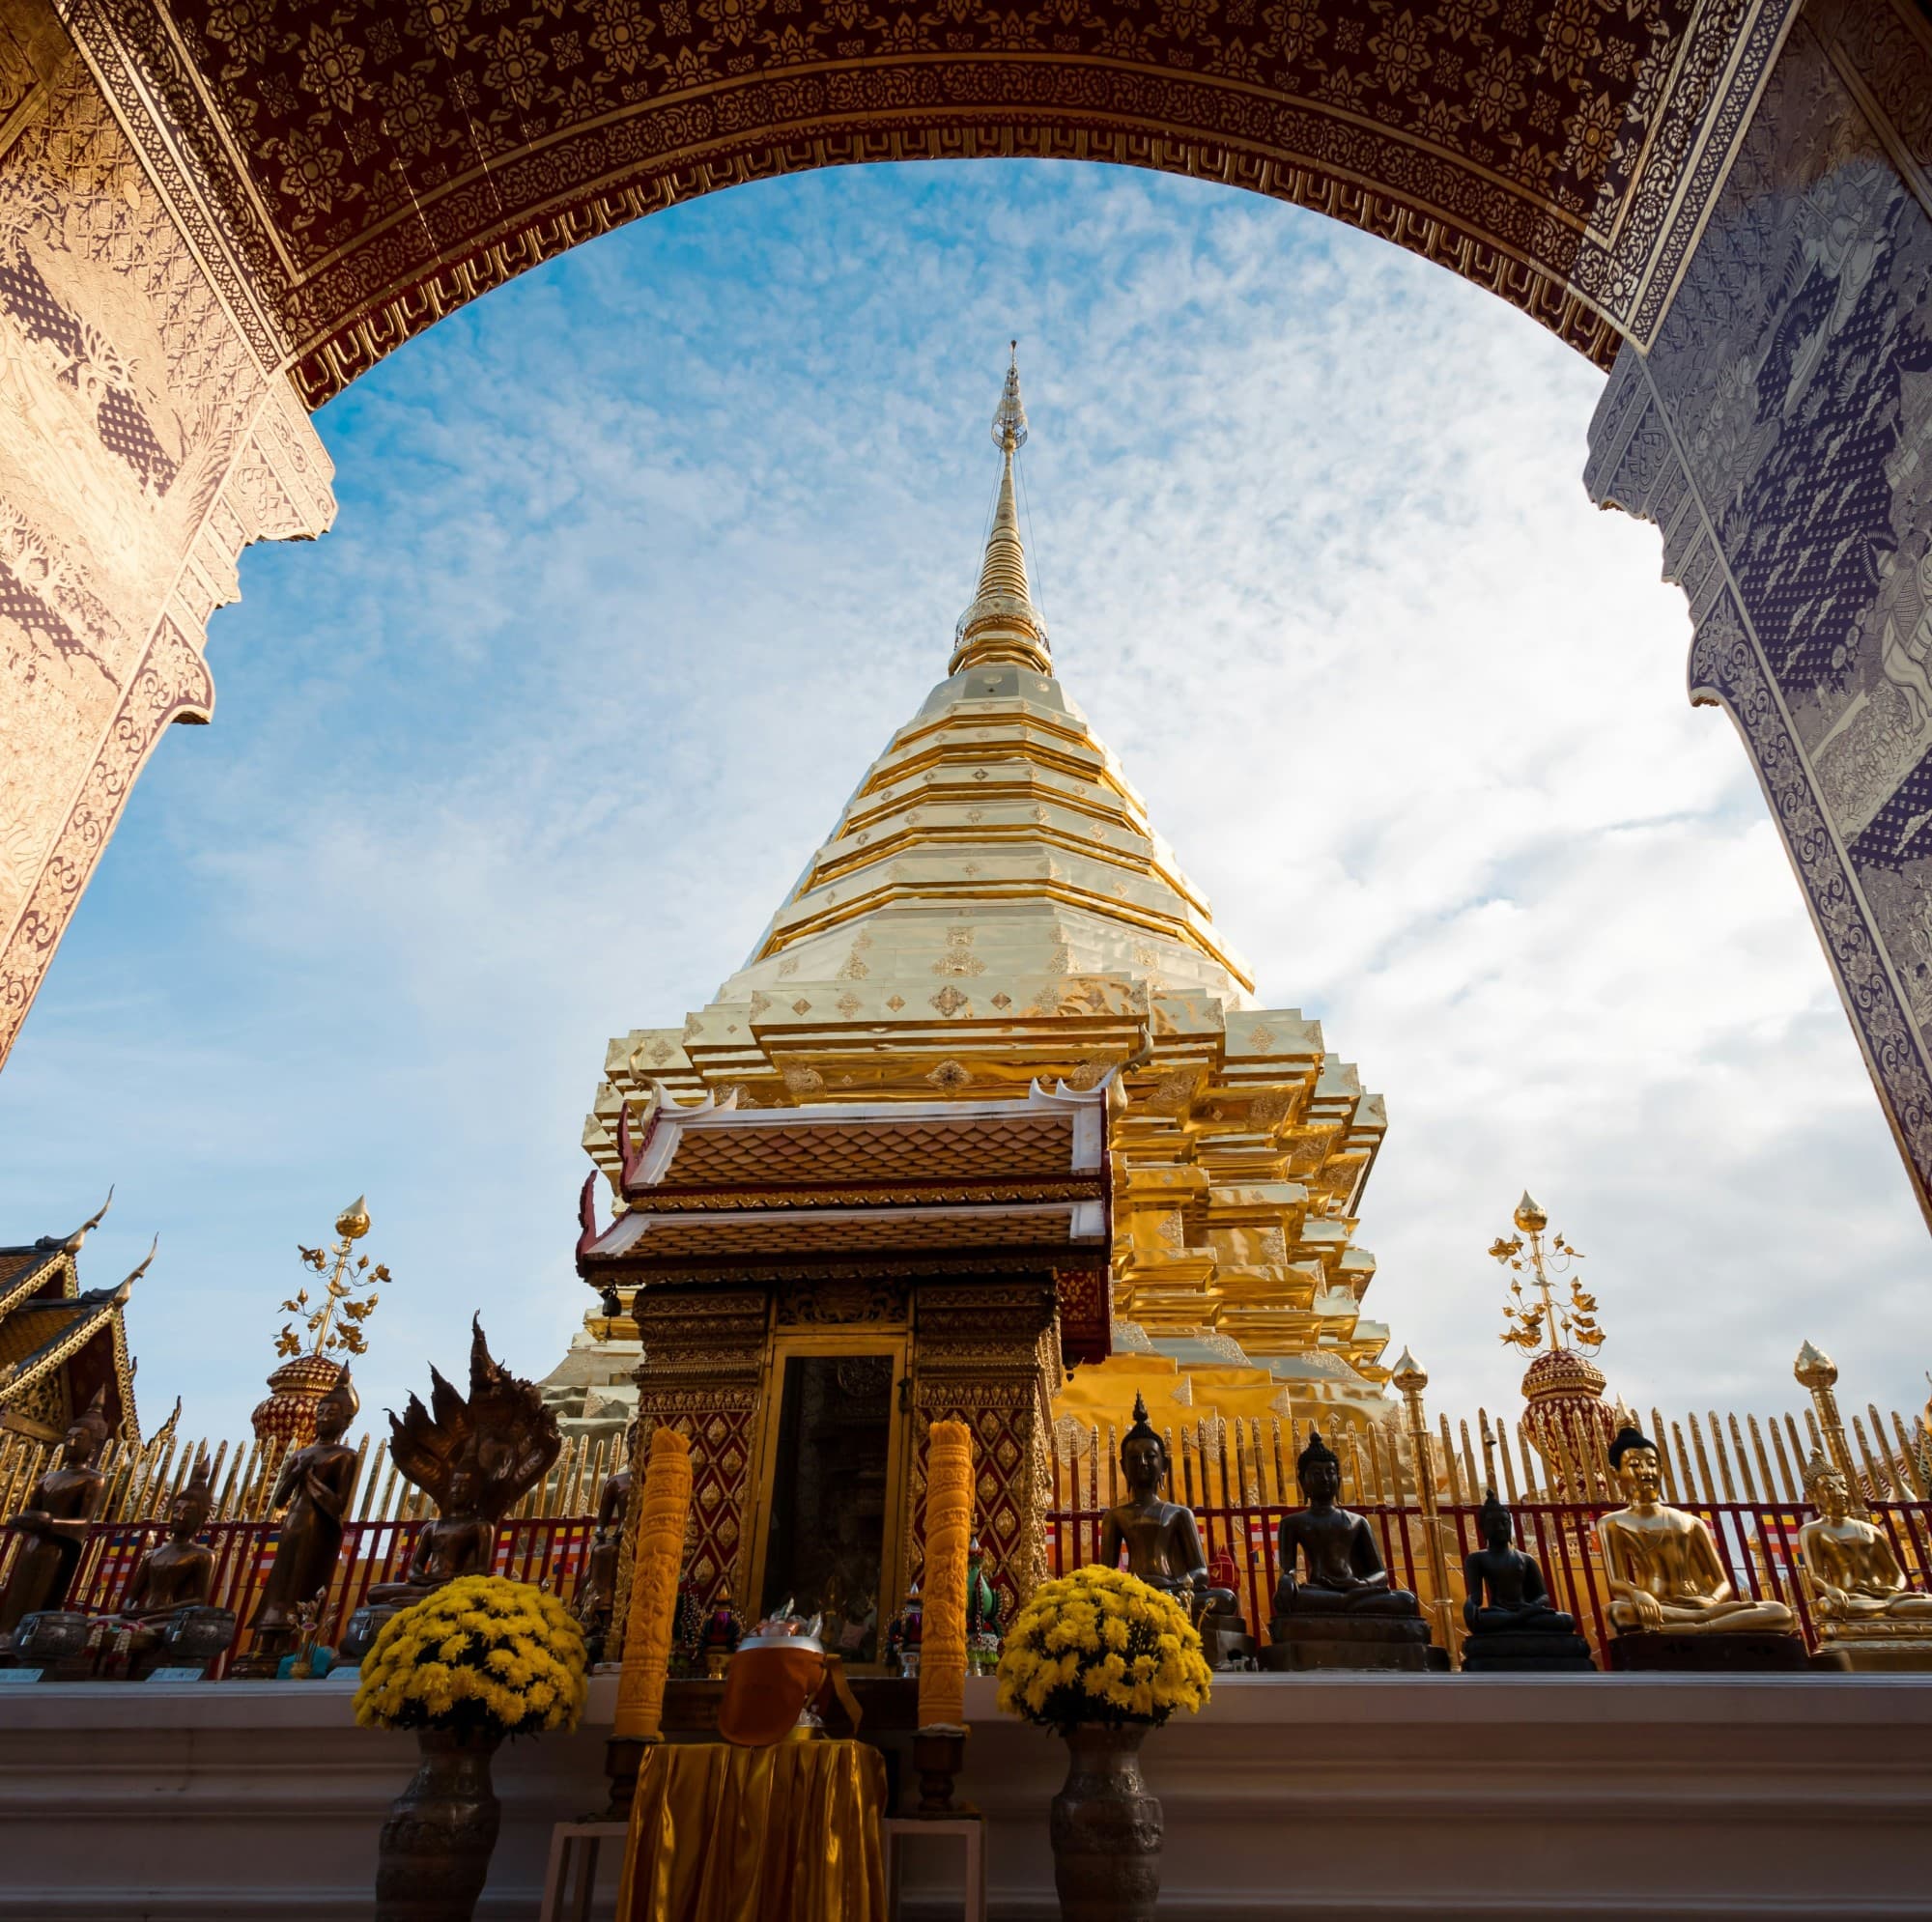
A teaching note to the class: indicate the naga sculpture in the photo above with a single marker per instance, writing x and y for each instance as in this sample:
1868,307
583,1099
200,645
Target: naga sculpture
475,1459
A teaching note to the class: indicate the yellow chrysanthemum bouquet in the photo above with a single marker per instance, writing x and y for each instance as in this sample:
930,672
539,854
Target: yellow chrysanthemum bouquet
481,1657
1100,1646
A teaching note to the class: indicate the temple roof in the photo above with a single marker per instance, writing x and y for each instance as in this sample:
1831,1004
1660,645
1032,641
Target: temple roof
713,1155
60,1343
718,1193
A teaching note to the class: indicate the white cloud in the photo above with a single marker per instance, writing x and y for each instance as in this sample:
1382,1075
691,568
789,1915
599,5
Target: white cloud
642,560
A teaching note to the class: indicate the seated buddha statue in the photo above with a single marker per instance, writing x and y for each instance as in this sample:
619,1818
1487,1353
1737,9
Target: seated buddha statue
455,1543
475,1458
1505,1587
1857,1588
165,1610
54,1522
1163,1542
1508,1612
1340,1611
1661,1566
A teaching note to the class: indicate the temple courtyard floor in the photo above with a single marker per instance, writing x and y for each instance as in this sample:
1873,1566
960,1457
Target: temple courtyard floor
1353,1796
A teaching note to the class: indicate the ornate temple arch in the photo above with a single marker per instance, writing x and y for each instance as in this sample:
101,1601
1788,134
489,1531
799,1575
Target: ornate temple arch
215,214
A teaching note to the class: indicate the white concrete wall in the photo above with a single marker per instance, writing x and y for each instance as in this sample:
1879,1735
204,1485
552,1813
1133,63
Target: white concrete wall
1354,1797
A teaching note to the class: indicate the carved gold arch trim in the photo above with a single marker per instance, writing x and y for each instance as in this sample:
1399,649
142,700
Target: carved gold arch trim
348,179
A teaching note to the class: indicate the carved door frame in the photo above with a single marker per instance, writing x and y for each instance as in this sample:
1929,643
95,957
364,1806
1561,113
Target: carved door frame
829,1343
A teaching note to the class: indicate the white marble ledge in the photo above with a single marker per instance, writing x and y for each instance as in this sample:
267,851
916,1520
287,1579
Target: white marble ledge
1327,1700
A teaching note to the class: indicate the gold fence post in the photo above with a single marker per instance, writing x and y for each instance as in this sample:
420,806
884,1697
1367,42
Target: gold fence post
1819,1373
1410,1382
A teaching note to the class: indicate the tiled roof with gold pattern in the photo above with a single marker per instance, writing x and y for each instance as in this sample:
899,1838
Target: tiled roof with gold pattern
55,1335
711,1155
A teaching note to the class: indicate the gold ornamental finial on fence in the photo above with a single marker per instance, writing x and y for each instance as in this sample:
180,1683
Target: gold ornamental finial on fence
342,1285
1548,1322
1817,1372
324,1333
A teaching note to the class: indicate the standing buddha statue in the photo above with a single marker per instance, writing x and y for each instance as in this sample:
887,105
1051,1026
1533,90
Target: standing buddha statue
1671,1602
597,1590
315,1487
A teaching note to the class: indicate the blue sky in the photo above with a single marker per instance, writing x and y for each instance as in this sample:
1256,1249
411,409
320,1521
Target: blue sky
641,560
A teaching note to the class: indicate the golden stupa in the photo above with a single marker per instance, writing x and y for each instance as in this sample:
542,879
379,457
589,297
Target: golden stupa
994,907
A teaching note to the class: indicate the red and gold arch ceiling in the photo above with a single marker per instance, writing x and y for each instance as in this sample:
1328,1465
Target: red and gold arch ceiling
350,170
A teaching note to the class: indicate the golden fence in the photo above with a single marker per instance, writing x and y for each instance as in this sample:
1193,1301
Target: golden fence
144,1479
1743,1476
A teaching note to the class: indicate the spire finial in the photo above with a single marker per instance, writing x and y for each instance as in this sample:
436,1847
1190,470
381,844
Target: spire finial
1009,421
1002,626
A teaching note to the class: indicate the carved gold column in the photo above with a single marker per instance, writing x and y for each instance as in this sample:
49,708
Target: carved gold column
1410,1382
703,1360
1819,1373
988,1354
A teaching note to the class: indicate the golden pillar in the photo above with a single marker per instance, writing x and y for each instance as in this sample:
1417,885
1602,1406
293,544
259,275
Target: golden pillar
1410,1381
1818,1373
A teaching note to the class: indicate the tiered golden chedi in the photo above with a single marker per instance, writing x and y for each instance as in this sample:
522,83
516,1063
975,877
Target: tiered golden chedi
994,907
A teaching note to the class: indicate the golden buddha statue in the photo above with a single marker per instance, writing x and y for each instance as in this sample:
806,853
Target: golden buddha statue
1662,1564
1853,1580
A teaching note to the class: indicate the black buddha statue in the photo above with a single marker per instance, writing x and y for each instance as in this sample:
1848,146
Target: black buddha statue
54,1522
166,1617
1340,1610
1163,1545
1512,1624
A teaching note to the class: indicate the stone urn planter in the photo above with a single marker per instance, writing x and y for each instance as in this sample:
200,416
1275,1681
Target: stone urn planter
436,1847
471,1665
1101,1658
1106,1827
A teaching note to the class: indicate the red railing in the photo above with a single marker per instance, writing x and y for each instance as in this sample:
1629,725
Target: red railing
545,1549
1757,1543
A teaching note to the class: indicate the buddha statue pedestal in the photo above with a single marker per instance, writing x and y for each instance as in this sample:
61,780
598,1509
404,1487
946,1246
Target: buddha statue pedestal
1659,1652
52,1640
1513,1629
1672,1603
192,1637
1306,1641
1341,1613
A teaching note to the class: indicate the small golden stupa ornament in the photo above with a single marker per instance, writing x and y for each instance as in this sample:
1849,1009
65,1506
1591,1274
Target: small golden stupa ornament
1562,1389
331,1331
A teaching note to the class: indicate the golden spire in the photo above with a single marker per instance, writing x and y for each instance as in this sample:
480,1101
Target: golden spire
1002,625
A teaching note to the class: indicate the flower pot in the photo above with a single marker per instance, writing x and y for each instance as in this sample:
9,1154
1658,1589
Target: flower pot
436,1844
1106,1827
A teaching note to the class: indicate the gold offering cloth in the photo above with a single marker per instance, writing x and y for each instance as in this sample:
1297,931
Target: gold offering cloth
722,1833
